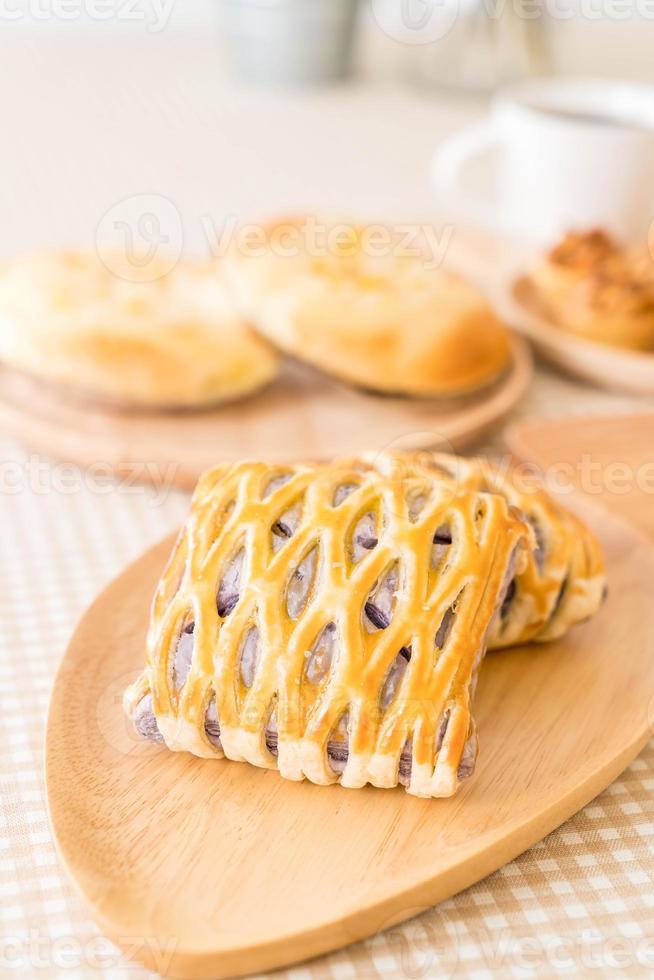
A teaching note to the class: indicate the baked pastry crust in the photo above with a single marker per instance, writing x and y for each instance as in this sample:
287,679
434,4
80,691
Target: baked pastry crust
564,580
172,341
592,287
334,636
388,323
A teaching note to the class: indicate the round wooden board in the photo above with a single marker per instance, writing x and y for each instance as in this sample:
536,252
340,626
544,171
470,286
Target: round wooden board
207,868
303,414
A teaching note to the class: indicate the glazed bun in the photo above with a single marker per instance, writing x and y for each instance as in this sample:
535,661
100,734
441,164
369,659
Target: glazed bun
592,287
170,340
387,322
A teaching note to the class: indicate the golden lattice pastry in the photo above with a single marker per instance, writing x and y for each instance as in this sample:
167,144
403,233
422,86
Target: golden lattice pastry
563,582
170,340
311,619
388,322
592,287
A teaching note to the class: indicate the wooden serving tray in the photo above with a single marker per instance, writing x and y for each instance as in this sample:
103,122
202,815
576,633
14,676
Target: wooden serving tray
222,869
302,415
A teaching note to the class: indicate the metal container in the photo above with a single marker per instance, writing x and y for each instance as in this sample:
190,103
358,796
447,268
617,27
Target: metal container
289,42
467,46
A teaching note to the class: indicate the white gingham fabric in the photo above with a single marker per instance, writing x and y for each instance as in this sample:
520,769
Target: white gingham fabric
580,903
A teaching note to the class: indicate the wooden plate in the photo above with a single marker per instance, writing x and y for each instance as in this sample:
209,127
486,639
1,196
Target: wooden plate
302,415
214,868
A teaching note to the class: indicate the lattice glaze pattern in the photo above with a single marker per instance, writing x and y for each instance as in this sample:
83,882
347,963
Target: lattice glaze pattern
564,580
329,621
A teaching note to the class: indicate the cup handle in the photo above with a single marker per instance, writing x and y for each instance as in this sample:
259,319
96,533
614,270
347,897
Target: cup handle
447,167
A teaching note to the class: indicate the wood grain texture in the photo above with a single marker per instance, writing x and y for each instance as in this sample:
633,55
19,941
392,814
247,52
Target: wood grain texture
215,868
302,415
609,459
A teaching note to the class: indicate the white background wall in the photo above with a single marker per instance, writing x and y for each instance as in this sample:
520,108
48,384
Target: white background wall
599,37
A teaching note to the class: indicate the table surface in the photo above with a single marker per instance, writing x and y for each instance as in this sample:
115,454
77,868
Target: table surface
86,126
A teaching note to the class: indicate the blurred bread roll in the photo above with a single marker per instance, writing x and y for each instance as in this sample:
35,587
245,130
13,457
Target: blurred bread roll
172,339
382,318
594,288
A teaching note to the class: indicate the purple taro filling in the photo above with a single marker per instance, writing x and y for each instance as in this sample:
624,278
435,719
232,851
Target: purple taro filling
337,749
144,721
378,613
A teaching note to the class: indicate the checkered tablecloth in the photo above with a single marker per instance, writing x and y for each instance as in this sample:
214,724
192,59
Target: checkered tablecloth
580,903
90,124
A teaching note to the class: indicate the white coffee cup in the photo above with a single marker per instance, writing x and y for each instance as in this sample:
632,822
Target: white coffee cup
569,153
